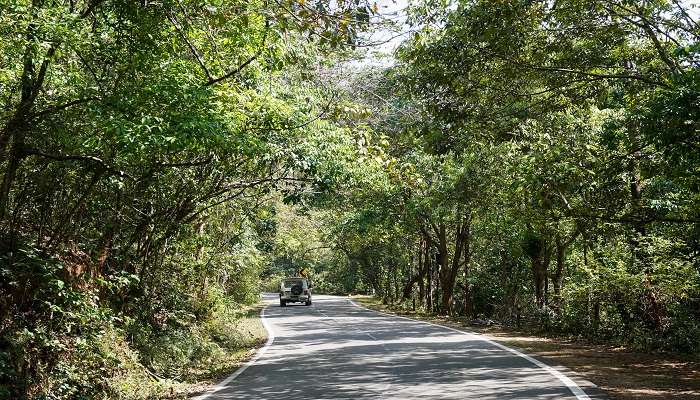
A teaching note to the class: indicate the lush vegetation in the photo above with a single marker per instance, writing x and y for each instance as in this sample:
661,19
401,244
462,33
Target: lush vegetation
140,146
540,166
529,161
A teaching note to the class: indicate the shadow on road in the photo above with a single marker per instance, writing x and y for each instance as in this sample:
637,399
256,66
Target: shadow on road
334,350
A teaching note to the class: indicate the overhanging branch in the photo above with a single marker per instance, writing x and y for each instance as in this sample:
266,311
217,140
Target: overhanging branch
240,68
74,157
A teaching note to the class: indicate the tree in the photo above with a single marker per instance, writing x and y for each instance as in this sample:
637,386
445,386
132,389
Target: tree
554,122
138,143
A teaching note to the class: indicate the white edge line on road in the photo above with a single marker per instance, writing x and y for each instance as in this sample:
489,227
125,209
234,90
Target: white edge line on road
573,387
258,354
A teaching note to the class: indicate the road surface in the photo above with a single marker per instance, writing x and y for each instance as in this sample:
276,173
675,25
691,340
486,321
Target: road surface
337,350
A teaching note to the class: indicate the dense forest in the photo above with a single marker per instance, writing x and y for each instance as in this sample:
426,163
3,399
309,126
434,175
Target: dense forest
161,163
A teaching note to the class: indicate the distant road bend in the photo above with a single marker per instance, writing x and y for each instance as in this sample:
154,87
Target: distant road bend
337,350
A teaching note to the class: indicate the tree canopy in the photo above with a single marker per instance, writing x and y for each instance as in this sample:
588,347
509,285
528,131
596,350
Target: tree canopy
534,162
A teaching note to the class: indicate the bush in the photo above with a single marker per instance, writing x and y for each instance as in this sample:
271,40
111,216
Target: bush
76,339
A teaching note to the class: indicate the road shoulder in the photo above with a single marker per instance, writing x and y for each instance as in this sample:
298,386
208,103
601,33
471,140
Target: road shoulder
619,372
260,338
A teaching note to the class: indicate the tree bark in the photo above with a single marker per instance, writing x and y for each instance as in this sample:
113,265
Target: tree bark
654,313
18,126
419,275
538,275
423,266
449,270
538,251
558,279
445,273
429,267
546,260
468,303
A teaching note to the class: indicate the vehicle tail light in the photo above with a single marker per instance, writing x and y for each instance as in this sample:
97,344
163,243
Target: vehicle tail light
306,291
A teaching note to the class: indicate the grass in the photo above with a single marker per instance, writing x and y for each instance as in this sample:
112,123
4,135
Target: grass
243,336
210,352
624,374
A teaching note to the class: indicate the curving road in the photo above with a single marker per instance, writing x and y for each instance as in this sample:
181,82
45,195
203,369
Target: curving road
337,350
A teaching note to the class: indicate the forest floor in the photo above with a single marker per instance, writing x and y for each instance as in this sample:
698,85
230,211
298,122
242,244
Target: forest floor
623,373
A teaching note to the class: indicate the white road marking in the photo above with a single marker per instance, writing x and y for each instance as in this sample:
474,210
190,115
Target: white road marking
573,387
260,352
570,384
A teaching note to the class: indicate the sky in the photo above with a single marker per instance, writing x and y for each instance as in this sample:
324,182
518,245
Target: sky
383,42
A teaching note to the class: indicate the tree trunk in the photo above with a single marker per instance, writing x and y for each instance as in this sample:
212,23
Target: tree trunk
15,159
105,248
558,278
429,284
200,234
535,247
545,261
639,254
539,276
468,304
18,126
449,271
423,265
395,282
417,278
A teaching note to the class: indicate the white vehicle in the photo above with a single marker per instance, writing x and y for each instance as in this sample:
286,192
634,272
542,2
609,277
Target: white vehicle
295,290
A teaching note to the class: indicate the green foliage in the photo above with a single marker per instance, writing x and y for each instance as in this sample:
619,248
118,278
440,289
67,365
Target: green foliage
59,320
139,143
538,164
534,162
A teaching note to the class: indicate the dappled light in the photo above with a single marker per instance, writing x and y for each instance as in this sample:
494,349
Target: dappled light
525,170
336,350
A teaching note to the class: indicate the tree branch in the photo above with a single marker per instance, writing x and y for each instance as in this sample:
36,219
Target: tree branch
90,159
238,69
60,107
186,163
191,46
605,76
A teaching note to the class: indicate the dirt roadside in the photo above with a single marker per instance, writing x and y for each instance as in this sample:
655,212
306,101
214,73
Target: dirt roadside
253,336
622,373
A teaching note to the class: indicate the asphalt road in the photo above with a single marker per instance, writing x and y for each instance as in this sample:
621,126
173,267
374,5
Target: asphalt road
337,350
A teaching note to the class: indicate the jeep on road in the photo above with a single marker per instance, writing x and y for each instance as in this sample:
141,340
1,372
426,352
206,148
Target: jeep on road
295,290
